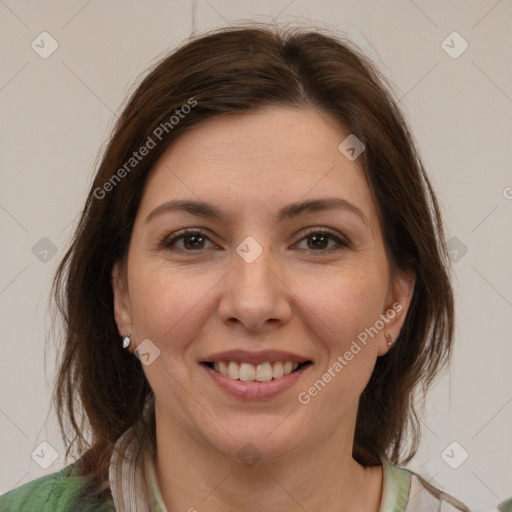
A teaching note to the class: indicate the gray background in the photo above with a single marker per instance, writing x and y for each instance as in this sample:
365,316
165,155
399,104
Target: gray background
57,113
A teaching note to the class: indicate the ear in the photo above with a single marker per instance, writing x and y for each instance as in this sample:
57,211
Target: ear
398,300
122,306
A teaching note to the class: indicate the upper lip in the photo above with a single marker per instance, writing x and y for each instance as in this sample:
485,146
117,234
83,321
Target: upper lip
245,356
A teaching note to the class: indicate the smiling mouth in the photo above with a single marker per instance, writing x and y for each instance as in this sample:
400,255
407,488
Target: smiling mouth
248,372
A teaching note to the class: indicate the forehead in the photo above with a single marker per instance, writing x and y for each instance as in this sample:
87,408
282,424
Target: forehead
255,161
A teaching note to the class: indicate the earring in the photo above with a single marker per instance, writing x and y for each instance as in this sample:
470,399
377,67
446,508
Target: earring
127,340
389,339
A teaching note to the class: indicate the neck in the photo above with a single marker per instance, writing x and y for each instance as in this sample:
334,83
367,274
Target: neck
325,477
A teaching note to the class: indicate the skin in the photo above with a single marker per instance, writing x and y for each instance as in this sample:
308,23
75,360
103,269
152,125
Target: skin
202,297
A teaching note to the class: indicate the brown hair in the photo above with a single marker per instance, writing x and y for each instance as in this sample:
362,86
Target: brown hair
100,387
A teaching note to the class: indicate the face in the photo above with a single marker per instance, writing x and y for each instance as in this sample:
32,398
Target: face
273,259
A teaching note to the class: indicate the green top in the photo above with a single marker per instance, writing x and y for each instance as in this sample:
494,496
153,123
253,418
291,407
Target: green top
63,491
66,491
506,506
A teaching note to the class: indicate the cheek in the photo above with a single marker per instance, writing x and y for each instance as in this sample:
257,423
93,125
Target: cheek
338,327
167,304
342,304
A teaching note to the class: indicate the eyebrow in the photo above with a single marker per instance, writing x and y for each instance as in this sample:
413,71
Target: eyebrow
206,210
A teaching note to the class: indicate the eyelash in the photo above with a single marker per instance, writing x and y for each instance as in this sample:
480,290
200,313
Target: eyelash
169,242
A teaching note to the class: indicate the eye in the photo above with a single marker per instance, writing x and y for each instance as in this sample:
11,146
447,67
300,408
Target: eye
318,240
193,240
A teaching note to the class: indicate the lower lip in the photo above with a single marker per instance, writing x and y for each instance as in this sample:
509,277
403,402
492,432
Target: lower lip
255,390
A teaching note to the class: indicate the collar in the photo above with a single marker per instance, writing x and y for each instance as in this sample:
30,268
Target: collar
396,485
134,483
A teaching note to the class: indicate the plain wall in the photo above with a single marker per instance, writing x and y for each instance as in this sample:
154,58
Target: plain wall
57,113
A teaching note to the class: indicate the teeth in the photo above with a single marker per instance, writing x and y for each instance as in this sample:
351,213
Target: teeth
222,368
264,372
233,370
278,370
247,371
250,372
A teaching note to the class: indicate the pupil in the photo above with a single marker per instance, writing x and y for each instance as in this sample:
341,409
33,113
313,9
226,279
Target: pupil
193,237
318,238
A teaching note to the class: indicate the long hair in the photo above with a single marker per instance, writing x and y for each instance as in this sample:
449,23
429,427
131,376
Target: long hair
100,389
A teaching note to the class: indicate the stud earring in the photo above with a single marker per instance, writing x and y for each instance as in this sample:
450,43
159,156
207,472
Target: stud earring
127,340
389,339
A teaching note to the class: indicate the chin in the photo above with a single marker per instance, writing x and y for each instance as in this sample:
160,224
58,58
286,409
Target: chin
262,438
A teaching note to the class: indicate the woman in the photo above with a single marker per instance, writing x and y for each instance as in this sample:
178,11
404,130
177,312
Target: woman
257,287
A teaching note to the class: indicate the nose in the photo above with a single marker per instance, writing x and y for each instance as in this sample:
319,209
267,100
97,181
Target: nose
254,295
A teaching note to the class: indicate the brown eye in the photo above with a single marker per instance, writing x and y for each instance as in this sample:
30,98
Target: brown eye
191,241
319,241
322,240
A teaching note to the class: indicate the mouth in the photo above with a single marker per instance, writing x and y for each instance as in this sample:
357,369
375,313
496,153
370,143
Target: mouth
262,372
255,375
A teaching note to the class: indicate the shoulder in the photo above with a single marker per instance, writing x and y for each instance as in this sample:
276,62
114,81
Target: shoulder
424,494
406,491
506,506
62,491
